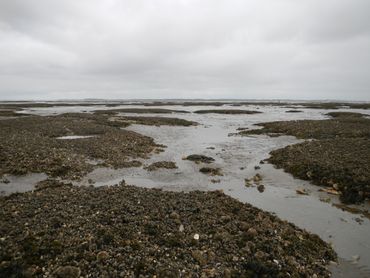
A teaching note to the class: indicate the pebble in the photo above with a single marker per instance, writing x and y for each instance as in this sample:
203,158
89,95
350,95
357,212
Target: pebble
261,188
174,215
252,232
102,256
67,272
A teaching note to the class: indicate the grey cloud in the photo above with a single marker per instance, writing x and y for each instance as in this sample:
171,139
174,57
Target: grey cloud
308,49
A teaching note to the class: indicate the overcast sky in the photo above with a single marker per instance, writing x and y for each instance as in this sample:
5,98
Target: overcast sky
296,49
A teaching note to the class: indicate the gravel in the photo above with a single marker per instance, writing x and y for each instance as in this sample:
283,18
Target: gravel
124,231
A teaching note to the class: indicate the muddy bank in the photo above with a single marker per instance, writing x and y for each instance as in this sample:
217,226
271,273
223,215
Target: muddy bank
157,121
31,104
343,114
10,113
332,105
139,111
123,231
343,164
198,158
339,159
161,165
227,111
211,171
342,127
30,144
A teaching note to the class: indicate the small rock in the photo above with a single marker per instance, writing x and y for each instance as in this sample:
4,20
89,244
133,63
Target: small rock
359,220
247,183
261,188
102,256
181,228
209,272
260,254
68,272
196,236
5,180
244,226
325,200
257,178
330,191
227,273
211,171
302,191
225,218
174,215
257,167
199,257
252,232
30,272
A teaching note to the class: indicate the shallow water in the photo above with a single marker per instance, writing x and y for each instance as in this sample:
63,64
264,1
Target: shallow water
20,183
237,157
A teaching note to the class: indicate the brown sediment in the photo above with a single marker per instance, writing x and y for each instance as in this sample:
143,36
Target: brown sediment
156,121
350,209
129,231
211,171
330,105
31,104
11,113
161,165
342,127
140,111
227,111
344,114
198,158
30,144
339,158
